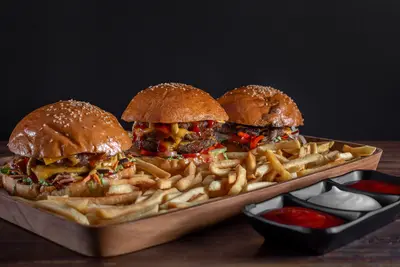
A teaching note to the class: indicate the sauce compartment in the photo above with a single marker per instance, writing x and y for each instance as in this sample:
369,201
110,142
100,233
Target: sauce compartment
350,178
319,241
317,189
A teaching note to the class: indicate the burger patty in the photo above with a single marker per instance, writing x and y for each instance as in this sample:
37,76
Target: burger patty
269,133
196,146
194,142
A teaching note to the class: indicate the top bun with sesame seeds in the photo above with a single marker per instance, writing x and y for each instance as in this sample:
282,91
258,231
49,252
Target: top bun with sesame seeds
171,103
67,128
261,106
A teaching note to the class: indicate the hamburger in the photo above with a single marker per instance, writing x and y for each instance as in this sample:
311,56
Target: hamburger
174,120
258,115
66,148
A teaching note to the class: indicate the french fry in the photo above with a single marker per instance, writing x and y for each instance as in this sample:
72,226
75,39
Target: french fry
281,158
62,209
313,148
254,186
303,161
192,202
296,168
276,165
262,170
182,205
250,163
149,192
256,180
185,182
185,196
291,151
324,146
107,200
124,174
137,179
326,158
240,181
303,152
228,163
361,151
231,177
168,183
222,168
147,204
152,169
320,168
79,204
200,197
345,156
294,175
270,177
120,189
216,189
190,169
141,198
197,180
208,180
262,160
218,171
170,196
288,145
261,149
279,152
236,155
152,210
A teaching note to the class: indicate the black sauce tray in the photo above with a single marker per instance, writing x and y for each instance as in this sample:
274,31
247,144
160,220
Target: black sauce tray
320,241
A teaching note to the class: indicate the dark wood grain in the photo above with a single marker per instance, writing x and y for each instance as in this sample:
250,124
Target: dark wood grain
232,242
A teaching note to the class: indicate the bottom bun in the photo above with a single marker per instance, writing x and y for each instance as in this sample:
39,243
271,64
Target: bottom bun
35,191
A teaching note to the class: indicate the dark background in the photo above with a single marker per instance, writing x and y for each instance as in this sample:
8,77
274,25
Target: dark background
339,60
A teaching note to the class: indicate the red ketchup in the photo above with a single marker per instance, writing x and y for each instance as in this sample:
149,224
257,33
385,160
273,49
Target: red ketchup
303,217
376,187
195,127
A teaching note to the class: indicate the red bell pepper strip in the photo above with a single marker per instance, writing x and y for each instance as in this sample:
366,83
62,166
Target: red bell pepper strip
195,127
210,123
255,141
240,140
165,129
244,135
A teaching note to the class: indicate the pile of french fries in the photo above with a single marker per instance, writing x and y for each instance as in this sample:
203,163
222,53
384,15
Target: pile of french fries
149,190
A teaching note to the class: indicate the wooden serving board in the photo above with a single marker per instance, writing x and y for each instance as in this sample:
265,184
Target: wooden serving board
112,240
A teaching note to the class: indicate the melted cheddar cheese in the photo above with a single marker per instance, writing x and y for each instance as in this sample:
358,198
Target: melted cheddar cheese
44,172
176,133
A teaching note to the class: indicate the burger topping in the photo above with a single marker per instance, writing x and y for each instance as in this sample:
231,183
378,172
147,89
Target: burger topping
65,170
250,136
159,139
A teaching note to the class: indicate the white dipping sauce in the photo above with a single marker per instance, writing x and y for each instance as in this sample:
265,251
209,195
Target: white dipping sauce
338,199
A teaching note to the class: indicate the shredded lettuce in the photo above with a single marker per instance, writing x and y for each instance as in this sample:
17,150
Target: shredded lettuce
5,170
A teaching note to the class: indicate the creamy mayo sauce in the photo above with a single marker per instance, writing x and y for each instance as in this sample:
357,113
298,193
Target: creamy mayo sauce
338,199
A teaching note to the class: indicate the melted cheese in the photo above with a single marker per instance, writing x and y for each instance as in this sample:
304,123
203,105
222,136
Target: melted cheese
176,133
44,172
74,160
178,136
49,161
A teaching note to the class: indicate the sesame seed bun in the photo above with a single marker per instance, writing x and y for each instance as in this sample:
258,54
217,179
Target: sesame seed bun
66,128
256,105
173,102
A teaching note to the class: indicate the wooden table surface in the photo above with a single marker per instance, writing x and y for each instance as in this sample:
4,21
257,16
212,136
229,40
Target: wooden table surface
232,242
